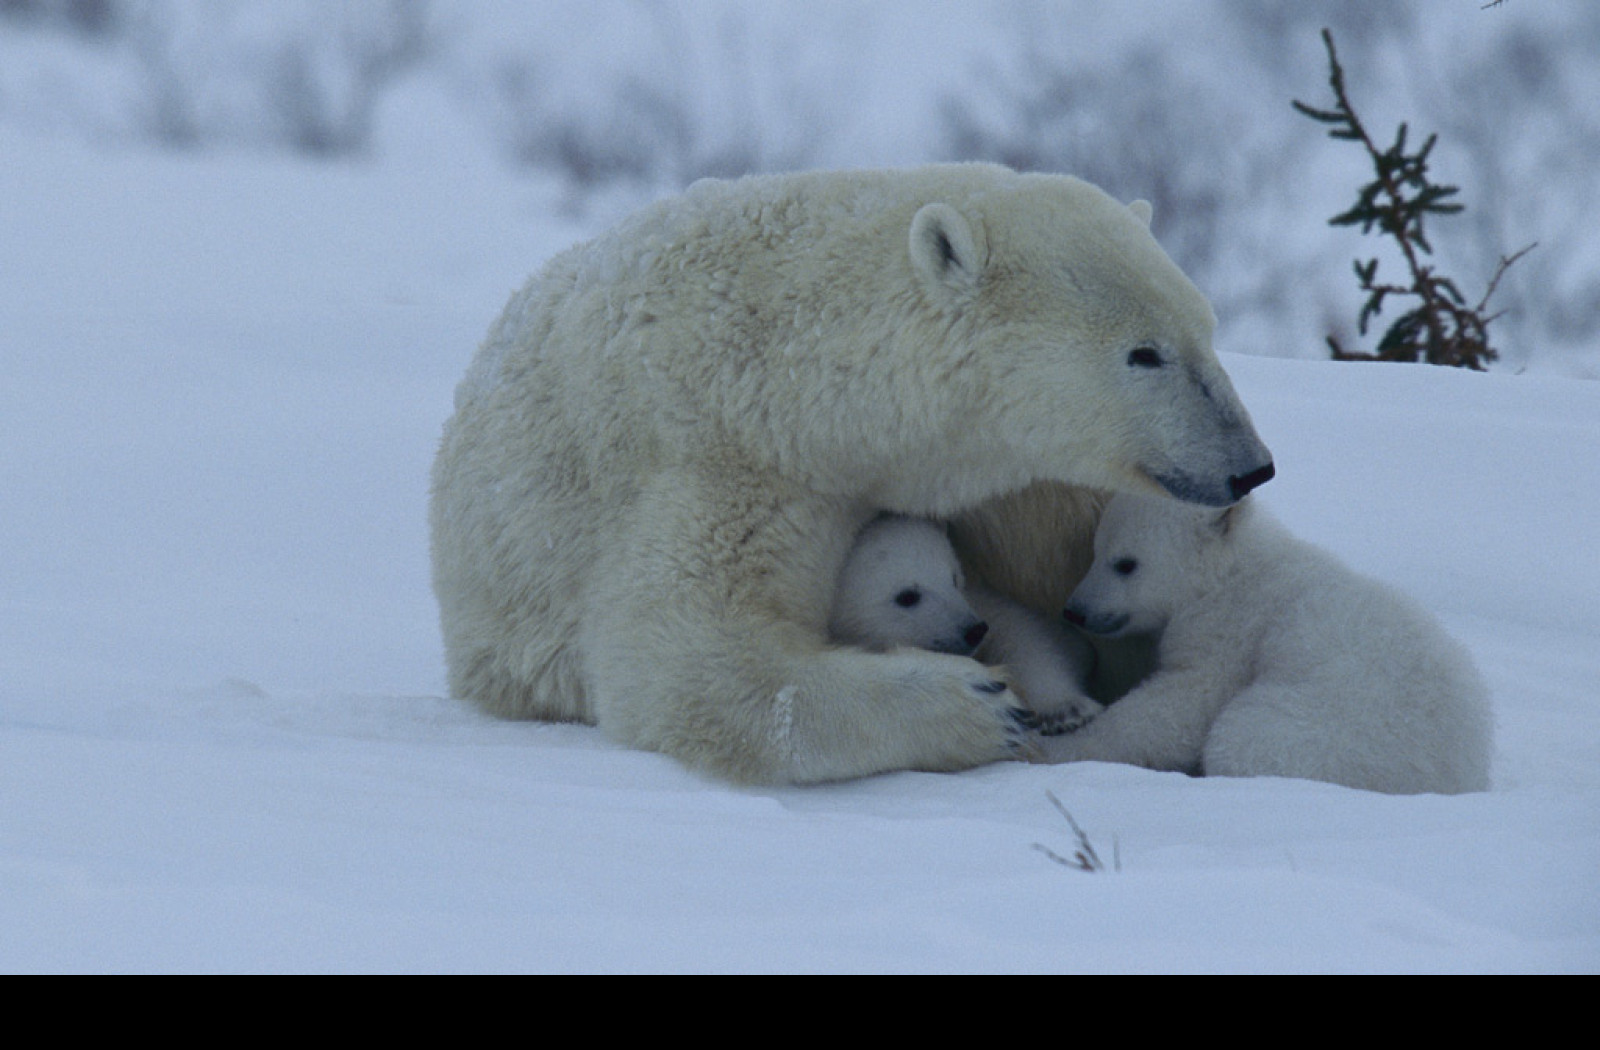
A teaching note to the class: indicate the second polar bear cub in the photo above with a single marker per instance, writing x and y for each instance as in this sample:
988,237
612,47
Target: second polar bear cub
1274,659
902,585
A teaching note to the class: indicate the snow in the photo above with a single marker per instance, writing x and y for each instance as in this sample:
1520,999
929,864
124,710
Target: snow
224,740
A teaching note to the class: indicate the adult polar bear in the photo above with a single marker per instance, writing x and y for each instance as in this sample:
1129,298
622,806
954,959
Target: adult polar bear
661,454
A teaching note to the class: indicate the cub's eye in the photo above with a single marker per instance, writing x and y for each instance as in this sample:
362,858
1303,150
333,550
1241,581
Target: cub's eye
1125,566
1144,357
908,598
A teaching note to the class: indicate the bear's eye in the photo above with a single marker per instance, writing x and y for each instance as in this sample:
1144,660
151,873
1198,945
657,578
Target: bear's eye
1144,357
908,598
1125,566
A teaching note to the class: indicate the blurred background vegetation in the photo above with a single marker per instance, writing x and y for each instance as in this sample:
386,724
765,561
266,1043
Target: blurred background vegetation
1184,104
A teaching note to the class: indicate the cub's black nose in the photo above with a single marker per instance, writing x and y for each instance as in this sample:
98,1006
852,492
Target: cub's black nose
976,634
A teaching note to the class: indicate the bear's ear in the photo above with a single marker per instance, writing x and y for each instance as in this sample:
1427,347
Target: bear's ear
1142,211
945,250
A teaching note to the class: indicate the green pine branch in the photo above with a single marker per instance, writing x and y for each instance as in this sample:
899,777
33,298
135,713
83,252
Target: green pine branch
1441,328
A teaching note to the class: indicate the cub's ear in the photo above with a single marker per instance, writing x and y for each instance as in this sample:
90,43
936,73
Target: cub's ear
947,252
1142,211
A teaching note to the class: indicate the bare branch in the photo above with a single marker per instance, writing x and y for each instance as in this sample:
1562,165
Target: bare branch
1085,857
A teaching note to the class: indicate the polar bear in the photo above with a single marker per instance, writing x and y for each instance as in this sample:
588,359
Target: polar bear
902,585
1274,659
666,445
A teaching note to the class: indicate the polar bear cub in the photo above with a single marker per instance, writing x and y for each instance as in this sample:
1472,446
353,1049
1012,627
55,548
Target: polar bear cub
902,586
1274,659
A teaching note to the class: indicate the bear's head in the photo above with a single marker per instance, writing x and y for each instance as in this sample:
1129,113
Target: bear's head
1086,349
1152,558
901,586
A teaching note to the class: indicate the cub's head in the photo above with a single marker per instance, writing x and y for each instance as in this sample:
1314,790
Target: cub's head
1152,557
901,586
1085,350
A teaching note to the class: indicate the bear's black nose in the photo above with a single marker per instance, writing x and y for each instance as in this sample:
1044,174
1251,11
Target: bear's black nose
976,634
1240,484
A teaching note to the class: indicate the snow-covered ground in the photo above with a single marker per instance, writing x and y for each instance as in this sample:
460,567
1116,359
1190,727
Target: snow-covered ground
224,744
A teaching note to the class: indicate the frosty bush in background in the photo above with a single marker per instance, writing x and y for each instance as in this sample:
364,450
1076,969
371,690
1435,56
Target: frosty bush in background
1529,136
89,18
323,82
1131,125
682,99
310,83
299,76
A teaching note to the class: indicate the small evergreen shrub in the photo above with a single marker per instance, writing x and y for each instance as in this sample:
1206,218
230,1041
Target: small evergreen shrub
1440,328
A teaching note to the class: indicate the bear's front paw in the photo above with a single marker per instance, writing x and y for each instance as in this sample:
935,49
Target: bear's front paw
1019,721
959,713
1015,720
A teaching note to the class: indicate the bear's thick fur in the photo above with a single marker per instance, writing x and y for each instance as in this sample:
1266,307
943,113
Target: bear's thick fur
667,443
902,585
1274,660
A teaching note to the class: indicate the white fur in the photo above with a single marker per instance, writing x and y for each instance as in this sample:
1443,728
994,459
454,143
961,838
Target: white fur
1274,660
902,585
667,443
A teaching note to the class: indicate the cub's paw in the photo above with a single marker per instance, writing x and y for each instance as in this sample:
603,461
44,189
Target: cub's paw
1069,714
